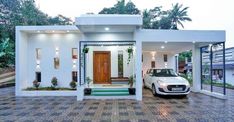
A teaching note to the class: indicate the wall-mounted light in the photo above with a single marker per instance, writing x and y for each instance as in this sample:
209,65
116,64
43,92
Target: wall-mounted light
56,52
165,65
107,29
162,47
153,55
194,42
165,42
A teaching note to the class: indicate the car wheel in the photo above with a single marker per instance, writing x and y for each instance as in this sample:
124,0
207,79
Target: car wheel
154,90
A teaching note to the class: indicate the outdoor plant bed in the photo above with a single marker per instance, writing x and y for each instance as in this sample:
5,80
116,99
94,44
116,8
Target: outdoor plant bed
87,91
132,91
48,89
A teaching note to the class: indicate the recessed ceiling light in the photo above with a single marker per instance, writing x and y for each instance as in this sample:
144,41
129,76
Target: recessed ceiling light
165,41
68,31
53,31
162,47
194,42
107,28
38,31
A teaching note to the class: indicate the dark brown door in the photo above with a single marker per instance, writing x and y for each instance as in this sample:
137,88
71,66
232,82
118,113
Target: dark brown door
101,67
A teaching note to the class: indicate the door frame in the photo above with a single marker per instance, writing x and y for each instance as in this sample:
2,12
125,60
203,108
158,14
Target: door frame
109,60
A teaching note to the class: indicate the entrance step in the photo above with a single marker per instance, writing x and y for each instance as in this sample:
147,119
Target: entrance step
109,92
116,80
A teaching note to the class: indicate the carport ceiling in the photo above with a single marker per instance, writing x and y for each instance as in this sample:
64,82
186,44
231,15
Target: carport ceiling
170,47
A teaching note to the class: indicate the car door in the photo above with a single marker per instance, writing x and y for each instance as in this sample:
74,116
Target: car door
148,78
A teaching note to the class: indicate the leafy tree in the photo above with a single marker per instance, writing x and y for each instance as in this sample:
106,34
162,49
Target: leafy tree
60,20
178,14
21,12
146,19
7,53
121,8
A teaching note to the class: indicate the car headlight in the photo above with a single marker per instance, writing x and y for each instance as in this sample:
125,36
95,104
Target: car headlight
161,83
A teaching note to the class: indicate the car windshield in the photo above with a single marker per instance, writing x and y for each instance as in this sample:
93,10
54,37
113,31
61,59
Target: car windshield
164,73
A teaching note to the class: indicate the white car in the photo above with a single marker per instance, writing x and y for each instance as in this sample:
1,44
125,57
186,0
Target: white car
166,82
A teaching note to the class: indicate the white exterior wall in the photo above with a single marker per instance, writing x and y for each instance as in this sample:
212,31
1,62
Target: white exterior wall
21,61
48,43
128,68
108,37
159,61
230,76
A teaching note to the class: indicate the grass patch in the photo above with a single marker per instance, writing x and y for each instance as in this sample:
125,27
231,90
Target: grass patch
49,89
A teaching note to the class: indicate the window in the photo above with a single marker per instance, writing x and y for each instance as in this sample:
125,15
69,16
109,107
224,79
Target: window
152,64
120,63
38,53
74,76
165,57
74,53
38,76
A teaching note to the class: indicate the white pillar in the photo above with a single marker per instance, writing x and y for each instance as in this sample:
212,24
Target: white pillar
196,68
80,93
138,69
80,89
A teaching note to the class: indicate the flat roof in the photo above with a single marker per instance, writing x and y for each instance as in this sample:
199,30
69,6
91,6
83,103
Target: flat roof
109,19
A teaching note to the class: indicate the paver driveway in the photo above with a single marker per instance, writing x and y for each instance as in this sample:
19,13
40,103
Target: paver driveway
196,107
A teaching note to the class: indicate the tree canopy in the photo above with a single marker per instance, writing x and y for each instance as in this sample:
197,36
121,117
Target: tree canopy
121,7
155,18
20,12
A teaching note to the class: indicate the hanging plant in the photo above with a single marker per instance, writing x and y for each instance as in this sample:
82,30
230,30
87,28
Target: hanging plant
130,54
85,50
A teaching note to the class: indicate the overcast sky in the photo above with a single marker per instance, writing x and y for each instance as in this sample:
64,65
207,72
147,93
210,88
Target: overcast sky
206,14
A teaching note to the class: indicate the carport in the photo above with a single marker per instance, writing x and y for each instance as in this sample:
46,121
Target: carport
160,49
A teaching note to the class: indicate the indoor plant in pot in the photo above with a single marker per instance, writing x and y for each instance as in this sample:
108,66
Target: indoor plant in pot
131,90
87,91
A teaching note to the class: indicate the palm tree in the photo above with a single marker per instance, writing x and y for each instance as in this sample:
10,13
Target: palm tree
178,14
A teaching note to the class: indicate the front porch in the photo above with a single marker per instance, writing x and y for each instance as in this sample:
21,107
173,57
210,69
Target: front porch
107,68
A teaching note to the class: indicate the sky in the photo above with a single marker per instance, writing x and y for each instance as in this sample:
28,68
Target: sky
205,14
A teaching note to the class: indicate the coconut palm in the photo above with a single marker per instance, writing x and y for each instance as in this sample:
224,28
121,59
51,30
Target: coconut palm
178,15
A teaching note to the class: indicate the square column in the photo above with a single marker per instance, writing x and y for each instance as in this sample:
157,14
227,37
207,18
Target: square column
138,67
196,59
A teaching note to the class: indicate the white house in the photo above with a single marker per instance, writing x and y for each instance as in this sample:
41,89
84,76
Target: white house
106,48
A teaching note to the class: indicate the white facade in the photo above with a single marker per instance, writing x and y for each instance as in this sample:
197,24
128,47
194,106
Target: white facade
94,28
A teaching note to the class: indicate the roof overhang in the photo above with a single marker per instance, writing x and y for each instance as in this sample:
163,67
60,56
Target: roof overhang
114,23
150,35
48,29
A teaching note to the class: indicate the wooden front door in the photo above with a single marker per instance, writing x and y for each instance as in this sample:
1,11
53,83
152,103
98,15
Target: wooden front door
101,67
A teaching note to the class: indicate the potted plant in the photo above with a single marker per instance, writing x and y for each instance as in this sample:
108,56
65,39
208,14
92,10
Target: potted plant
130,53
85,50
73,84
131,90
36,84
87,91
54,82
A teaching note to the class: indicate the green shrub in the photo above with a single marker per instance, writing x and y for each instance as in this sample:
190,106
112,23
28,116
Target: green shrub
54,82
36,84
73,84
